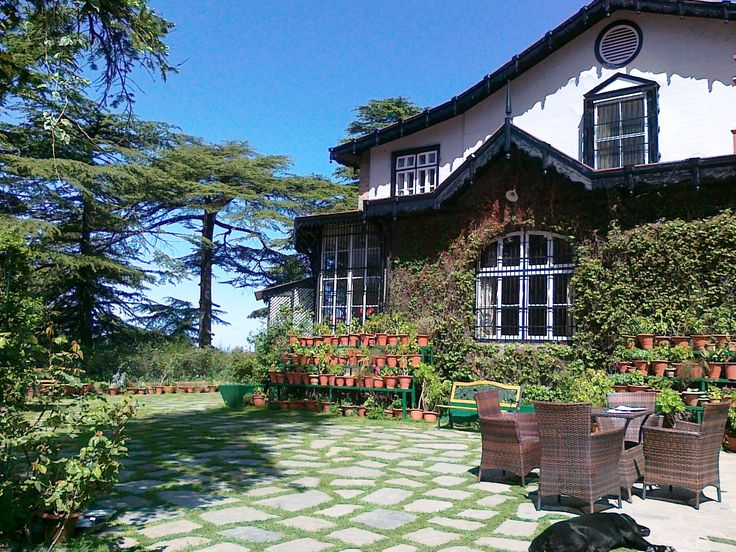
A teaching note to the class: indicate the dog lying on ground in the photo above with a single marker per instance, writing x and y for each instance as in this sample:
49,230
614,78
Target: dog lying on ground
595,533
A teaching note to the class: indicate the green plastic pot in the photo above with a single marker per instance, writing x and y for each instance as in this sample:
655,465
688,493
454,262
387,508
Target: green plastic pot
233,393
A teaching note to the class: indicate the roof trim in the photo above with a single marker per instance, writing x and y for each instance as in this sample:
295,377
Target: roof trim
265,293
349,152
464,176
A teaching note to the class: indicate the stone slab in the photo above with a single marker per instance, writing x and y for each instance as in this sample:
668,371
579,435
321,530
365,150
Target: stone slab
170,528
224,547
237,514
461,524
516,528
296,502
450,494
356,536
348,493
299,545
492,500
307,523
425,505
339,510
251,534
384,519
177,544
387,496
497,543
431,537
449,468
482,515
354,471
194,499
401,548
449,480
405,482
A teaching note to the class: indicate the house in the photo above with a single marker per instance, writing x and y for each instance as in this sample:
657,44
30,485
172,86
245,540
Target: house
624,96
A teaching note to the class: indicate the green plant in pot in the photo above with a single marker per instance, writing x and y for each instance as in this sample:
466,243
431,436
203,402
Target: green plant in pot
619,381
690,370
593,387
644,328
659,358
669,404
720,323
714,361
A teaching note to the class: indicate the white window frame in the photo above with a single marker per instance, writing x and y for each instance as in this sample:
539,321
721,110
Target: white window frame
618,100
524,271
354,236
414,173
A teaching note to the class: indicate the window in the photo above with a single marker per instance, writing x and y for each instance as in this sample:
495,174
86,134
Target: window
621,126
415,172
523,289
350,278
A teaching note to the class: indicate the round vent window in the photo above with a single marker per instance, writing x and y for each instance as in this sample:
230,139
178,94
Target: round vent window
618,44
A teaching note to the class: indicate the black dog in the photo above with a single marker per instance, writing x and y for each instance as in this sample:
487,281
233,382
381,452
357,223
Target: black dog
595,533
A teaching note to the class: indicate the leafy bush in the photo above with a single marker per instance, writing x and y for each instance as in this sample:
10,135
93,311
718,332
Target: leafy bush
593,387
669,403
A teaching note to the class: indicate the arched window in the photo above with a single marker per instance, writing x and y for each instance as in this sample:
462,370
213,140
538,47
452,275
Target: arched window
522,290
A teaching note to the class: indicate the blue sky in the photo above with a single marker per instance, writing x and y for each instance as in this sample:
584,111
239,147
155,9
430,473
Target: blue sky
286,75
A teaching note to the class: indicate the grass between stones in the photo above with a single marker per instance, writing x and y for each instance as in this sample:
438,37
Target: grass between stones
200,475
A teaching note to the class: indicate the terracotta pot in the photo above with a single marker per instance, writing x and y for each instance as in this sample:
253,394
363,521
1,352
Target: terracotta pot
430,416
714,370
293,340
317,341
620,388
340,381
285,405
381,339
379,361
354,340
313,379
132,390
334,360
306,378
415,413
659,366
637,388
323,379
303,341
335,341
398,413
731,442
169,389
699,341
325,406
405,382
392,361
390,381
642,366
349,381
646,341
344,340
422,340
368,382
312,405
662,340
680,340
309,341
361,411
331,379
365,340
389,412
721,340
730,369
347,410
415,360
159,389
272,376
622,366
259,400
113,391
403,338
280,377
392,340
327,338
690,397
51,524
378,382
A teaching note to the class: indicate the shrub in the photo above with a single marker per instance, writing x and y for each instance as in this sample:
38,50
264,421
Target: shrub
593,387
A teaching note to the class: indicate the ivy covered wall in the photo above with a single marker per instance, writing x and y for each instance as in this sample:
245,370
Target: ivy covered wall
651,250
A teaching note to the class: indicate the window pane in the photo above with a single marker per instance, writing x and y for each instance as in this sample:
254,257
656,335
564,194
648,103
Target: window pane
632,116
510,290
358,284
538,290
537,321
560,292
537,249
509,321
489,257
561,252
608,155
485,317
561,322
511,246
634,150
607,120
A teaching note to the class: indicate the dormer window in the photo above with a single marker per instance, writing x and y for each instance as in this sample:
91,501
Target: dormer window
415,171
621,123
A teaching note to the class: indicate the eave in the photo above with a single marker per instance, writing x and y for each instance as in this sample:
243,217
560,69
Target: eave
349,152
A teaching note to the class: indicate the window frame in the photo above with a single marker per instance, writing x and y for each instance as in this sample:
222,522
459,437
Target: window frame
415,152
648,89
525,270
352,273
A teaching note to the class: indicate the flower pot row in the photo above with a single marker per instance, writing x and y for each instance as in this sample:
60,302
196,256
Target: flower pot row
712,370
355,359
304,378
699,342
358,340
162,389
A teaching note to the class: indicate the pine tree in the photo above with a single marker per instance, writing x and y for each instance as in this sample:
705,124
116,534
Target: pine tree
240,204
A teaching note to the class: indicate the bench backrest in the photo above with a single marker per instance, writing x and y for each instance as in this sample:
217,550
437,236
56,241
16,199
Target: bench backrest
463,393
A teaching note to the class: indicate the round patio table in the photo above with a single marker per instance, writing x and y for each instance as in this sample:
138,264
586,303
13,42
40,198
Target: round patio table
623,414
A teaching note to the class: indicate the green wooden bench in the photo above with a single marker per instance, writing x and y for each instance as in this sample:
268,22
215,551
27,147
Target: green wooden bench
462,408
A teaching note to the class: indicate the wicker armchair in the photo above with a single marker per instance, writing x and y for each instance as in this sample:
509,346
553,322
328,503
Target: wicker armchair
488,403
574,461
687,455
631,465
510,443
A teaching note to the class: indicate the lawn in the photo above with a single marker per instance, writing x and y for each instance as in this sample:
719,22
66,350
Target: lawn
201,477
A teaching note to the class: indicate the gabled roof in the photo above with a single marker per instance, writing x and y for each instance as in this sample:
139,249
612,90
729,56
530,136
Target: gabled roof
501,142
349,152
265,293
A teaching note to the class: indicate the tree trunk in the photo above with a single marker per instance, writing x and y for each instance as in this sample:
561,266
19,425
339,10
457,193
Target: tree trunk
84,286
205,280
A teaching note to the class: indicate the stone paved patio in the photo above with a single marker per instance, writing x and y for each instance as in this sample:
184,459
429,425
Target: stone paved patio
202,478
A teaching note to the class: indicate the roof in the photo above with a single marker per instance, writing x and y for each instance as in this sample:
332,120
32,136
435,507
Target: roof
349,152
265,293
501,142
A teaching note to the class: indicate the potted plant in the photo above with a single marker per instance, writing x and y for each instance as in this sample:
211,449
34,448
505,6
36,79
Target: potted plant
715,360
625,357
347,409
397,407
335,370
659,359
259,399
389,377
636,382
644,330
696,327
679,354
720,323
729,364
433,389
620,382
669,404
691,396
690,370
642,362
731,429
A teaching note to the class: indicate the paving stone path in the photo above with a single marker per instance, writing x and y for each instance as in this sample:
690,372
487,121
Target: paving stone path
205,479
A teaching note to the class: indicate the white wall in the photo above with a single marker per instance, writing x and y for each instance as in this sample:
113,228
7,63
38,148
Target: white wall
690,58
